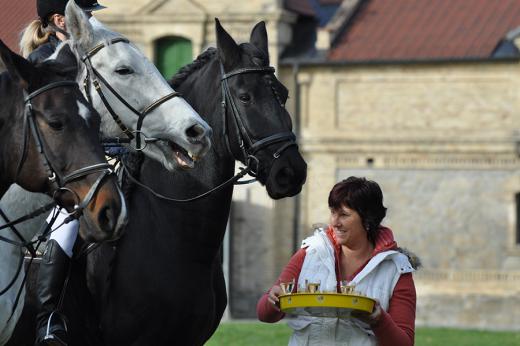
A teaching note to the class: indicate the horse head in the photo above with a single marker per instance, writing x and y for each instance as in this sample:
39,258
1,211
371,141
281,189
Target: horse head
256,119
131,91
50,143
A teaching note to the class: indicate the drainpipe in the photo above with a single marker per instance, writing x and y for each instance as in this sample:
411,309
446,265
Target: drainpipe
297,129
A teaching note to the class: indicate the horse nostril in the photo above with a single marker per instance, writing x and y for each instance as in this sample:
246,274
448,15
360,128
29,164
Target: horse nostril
285,176
197,132
107,219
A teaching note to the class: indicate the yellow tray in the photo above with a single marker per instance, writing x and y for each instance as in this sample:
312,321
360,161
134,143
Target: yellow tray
325,304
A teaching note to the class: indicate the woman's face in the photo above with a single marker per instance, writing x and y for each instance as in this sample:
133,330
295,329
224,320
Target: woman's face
58,20
347,225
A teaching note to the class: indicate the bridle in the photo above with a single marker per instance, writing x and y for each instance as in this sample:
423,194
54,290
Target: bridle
94,77
57,180
247,146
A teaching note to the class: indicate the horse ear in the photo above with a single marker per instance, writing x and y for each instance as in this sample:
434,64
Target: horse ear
79,27
67,59
228,50
19,69
259,38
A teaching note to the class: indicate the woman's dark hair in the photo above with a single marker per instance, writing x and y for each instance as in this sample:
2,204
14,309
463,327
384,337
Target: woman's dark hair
365,197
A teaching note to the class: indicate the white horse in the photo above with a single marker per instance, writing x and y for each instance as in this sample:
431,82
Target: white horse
182,135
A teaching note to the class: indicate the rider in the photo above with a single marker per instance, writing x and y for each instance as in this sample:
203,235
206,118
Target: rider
39,41
41,37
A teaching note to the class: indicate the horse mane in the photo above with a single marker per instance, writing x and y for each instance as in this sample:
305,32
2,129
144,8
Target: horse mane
187,70
259,58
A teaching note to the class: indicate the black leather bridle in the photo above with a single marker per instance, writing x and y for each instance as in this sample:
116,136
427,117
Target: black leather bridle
247,146
94,77
55,177
57,180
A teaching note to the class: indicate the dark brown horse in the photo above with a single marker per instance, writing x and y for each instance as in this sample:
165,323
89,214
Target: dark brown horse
49,143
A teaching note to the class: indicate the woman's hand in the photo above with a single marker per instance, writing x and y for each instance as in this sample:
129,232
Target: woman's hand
369,318
273,297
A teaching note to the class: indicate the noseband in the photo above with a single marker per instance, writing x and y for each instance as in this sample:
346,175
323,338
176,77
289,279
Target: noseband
97,78
247,146
54,176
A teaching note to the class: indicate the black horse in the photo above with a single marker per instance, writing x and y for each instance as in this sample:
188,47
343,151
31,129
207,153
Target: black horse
162,283
165,284
49,142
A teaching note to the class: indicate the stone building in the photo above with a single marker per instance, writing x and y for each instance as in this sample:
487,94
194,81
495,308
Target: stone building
421,96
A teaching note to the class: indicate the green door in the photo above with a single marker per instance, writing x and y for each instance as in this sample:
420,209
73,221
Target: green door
171,53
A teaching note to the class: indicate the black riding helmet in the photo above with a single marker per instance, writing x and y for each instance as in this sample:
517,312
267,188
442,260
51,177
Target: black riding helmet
45,8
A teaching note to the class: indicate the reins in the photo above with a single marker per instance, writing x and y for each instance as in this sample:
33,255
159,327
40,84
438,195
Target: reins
233,180
46,230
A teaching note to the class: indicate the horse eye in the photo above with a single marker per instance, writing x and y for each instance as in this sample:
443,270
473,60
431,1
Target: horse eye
124,71
56,125
244,97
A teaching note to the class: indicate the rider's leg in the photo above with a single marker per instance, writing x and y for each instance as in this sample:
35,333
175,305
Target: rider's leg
51,325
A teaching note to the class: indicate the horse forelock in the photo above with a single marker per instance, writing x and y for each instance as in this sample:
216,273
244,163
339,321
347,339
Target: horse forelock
258,57
59,68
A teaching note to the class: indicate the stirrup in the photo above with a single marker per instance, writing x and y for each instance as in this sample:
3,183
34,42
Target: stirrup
51,338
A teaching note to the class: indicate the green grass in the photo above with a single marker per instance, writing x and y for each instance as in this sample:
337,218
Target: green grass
259,334
445,336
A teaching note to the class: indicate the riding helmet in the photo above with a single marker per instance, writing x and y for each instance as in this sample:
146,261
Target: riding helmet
89,5
45,8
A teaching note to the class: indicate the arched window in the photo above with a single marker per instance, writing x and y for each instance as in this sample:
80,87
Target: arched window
171,53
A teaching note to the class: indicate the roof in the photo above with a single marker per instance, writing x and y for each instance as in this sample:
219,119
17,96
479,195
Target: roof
14,16
330,2
302,7
407,30
324,10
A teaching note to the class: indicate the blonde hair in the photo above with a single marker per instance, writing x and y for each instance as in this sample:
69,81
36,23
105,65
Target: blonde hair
33,36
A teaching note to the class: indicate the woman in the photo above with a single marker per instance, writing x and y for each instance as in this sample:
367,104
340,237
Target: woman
39,41
41,37
354,248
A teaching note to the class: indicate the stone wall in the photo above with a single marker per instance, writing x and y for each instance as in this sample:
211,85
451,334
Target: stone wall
471,299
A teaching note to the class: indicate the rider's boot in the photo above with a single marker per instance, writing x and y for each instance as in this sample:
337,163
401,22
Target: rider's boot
51,324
